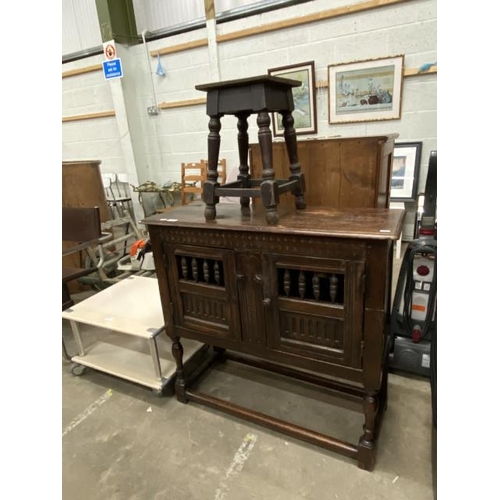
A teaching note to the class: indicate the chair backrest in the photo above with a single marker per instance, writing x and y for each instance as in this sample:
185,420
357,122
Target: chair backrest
193,176
122,186
221,170
107,181
81,224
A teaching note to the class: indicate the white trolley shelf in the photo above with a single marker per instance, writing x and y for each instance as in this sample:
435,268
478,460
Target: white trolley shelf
129,317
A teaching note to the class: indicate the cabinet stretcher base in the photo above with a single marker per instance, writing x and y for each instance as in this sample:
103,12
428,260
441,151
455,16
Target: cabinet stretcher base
364,455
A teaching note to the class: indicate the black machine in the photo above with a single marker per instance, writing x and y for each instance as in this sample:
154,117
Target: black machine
414,312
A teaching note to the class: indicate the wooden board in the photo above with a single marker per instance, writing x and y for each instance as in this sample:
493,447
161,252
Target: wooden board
339,172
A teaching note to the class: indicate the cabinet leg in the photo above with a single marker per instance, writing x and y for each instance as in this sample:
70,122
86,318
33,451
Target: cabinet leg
366,446
221,354
180,380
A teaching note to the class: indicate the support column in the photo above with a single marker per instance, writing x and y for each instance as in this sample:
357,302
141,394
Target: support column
212,40
117,21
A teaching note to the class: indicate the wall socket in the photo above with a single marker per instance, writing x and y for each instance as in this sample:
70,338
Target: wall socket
152,110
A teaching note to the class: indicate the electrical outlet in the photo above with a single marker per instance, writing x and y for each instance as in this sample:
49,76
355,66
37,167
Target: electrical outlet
152,110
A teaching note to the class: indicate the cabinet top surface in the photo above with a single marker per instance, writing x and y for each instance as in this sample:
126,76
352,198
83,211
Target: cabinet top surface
363,223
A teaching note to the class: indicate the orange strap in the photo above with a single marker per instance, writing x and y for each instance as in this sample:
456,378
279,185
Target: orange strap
135,246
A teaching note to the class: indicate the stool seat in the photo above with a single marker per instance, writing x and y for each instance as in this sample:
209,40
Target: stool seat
256,95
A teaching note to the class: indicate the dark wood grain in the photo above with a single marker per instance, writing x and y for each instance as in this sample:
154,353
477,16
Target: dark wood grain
372,223
338,172
259,95
310,294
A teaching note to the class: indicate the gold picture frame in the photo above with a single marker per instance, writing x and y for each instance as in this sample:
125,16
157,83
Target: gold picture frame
304,98
363,91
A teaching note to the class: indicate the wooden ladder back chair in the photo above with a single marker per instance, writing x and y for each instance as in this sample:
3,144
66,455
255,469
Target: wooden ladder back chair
221,170
193,176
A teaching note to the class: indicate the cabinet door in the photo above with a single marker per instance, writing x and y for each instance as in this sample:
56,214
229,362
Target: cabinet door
204,292
316,308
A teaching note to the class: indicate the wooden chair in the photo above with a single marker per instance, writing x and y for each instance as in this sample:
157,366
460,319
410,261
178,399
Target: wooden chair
193,176
221,170
118,195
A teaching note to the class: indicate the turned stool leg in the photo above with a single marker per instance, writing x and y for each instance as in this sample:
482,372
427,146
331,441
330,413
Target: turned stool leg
244,175
295,168
180,381
209,197
269,186
366,446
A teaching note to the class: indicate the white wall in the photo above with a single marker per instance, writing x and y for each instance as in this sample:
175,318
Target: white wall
160,143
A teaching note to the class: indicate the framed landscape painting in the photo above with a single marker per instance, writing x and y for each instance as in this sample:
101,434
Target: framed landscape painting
304,98
405,171
365,90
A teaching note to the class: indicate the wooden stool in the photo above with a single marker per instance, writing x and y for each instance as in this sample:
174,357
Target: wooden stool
260,95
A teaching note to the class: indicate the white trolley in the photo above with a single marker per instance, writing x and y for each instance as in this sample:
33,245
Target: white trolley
129,342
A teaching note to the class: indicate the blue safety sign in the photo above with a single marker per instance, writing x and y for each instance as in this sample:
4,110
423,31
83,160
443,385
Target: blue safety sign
112,68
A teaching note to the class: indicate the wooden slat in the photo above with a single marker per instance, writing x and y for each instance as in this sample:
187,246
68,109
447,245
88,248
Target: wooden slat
323,84
81,71
417,72
299,21
289,23
181,104
88,116
179,47
319,16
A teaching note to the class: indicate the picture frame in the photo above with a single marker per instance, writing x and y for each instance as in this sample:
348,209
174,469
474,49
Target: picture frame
405,171
304,98
363,91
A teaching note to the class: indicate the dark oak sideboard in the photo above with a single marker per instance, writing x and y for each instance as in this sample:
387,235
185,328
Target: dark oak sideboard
309,298
338,171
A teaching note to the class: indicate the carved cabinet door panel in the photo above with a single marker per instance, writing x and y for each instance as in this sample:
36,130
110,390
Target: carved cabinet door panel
252,296
316,308
204,291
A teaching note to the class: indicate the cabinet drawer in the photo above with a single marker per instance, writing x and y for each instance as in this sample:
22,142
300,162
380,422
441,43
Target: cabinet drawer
317,308
203,287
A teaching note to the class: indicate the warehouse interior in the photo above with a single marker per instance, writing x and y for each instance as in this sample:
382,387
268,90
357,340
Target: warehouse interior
212,282
138,80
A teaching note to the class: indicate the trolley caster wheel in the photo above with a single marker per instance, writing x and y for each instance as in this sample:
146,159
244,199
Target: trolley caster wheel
78,370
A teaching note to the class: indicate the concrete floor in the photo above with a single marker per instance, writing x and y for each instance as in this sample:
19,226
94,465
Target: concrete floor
122,442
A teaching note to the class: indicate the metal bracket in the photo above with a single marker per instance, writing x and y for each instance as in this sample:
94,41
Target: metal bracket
152,110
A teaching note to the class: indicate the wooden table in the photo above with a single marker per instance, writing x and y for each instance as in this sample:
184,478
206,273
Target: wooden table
311,294
241,98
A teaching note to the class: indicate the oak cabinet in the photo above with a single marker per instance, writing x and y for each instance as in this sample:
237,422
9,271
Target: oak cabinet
311,294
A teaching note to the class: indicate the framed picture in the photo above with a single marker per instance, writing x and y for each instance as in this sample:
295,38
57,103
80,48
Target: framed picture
304,98
365,91
405,171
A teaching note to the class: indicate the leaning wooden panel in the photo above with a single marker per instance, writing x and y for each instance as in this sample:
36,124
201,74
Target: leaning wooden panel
339,172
